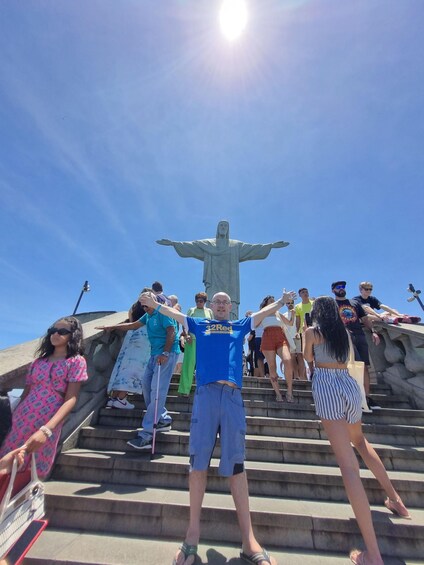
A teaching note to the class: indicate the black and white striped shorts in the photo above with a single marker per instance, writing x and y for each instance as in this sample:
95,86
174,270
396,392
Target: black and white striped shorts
336,395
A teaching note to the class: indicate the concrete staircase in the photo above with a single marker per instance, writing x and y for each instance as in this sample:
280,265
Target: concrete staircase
110,505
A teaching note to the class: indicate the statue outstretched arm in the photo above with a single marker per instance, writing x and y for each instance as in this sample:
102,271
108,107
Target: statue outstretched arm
194,249
165,242
280,244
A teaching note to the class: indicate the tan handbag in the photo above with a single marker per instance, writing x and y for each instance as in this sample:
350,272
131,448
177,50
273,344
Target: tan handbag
356,371
18,511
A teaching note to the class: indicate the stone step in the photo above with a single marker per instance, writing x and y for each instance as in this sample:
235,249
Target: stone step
278,522
67,547
309,482
305,396
312,429
256,382
302,410
266,448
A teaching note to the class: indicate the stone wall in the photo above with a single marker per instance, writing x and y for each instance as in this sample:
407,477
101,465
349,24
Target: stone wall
399,360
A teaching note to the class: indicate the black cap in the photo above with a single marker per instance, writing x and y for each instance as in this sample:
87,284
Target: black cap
334,284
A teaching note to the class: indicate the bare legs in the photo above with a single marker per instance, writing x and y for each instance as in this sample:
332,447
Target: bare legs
339,436
240,493
272,366
371,459
284,354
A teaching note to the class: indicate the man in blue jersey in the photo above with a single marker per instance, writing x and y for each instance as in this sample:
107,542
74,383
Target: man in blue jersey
218,408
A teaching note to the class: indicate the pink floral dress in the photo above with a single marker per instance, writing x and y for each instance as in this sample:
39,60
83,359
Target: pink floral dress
48,381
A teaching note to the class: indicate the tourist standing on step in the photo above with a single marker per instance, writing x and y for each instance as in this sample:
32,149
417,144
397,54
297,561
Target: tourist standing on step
303,311
51,392
218,408
338,404
128,371
353,315
189,361
163,338
275,343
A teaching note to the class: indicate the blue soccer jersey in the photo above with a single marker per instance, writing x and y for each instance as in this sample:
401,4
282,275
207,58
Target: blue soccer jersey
219,349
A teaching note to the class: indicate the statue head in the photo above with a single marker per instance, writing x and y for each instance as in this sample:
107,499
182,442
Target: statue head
223,230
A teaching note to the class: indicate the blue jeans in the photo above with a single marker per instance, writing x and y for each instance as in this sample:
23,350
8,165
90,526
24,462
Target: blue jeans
149,385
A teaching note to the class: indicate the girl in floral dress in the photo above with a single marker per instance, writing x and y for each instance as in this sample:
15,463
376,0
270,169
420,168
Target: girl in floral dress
51,392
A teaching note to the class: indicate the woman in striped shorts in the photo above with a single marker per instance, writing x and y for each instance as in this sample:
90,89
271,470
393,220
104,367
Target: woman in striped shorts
338,403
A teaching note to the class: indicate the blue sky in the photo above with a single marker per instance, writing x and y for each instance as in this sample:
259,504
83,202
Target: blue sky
126,122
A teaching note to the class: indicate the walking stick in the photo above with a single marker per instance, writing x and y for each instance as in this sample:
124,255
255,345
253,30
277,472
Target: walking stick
155,421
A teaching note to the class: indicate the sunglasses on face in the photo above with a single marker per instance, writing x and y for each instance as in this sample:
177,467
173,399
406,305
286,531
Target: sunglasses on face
199,300
340,286
366,288
60,331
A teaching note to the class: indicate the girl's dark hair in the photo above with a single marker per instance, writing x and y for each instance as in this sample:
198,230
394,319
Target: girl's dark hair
265,300
75,346
136,311
326,322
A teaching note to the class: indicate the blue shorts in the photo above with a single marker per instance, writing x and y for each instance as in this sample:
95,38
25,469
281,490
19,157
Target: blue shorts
218,409
336,395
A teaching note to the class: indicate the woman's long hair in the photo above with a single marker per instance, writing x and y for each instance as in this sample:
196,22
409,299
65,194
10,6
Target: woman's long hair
326,322
75,346
265,301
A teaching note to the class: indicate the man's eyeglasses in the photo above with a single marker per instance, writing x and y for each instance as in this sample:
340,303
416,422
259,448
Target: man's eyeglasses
340,286
367,288
290,303
60,331
200,300
221,302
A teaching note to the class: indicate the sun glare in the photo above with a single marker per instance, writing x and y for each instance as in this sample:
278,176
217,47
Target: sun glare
233,18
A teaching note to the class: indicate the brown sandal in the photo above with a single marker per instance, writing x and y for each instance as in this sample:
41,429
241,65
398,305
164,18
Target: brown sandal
397,507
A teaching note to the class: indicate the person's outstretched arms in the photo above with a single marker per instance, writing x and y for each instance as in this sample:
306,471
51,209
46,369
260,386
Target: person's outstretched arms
124,327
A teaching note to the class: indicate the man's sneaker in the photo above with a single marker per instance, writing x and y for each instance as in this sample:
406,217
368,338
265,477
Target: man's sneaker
372,405
164,427
109,403
124,404
140,443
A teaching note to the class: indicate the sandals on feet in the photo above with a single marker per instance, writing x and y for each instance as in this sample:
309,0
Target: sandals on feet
397,507
187,550
289,397
256,557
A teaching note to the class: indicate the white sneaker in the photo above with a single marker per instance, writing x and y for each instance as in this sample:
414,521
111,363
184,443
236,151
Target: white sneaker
109,403
123,404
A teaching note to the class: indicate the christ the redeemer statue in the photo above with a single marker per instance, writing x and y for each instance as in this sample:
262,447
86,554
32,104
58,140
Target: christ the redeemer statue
221,257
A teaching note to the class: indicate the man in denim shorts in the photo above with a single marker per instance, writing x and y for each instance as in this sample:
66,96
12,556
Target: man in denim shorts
218,409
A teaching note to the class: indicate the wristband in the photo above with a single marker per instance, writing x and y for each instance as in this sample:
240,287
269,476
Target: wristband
158,307
46,431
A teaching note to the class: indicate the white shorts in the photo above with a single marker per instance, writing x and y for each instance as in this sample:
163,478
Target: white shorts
336,395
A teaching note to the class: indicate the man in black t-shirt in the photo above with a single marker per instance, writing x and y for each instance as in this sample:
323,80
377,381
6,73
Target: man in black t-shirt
371,303
353,316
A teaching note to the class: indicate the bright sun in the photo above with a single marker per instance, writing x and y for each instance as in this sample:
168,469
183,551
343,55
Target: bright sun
233,18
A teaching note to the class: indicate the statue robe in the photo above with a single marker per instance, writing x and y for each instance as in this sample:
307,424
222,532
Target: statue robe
221,271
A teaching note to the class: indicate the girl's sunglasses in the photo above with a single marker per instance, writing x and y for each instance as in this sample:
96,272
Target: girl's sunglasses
60,331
